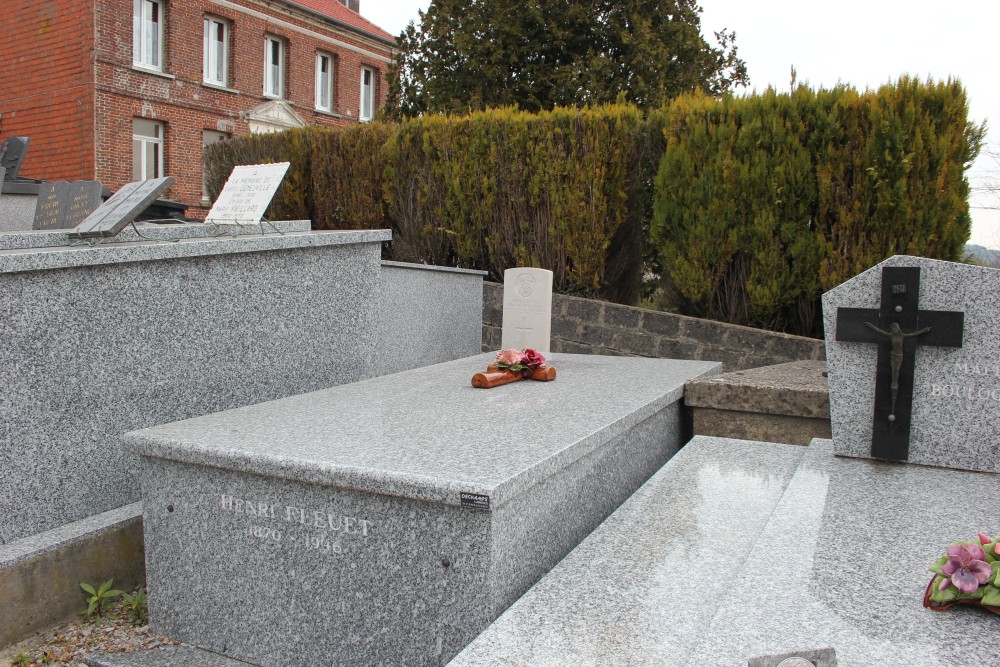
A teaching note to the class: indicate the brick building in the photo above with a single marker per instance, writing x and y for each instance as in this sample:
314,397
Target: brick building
121,90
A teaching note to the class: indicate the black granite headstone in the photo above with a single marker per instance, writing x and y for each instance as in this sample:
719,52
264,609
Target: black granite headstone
50,207
63,205
12,155
122,208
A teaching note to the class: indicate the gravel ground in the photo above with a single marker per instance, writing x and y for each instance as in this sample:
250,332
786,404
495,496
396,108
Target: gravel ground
66,643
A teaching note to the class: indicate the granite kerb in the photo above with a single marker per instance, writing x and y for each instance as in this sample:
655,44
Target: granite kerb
185,441
45,238
40,259
33,546
432,267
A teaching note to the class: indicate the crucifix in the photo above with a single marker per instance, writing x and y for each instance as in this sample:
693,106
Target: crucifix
897,327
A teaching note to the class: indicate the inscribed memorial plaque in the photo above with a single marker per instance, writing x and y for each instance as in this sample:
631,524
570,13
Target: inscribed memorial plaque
63,205
527,309
122,208
954,393
247,194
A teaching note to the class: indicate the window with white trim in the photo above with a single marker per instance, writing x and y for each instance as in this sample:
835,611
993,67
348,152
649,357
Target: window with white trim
147,149
147,34
325,77
274,67
367,110
216,51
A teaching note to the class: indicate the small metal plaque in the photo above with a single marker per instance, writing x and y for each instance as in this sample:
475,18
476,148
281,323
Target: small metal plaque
475,501
818,657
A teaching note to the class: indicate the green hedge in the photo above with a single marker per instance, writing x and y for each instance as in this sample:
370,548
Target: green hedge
747,207
492,190
764,202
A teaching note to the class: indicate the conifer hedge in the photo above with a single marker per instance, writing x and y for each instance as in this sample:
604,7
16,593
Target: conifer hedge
748,207
764,202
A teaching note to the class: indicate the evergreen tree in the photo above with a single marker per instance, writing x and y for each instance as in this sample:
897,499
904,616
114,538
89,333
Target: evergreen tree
537,54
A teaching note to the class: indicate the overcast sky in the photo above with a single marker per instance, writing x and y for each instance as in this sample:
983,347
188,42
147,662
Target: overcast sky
862,43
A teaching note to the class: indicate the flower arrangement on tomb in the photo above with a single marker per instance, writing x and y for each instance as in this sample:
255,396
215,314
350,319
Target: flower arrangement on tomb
523,361
968,573
512,365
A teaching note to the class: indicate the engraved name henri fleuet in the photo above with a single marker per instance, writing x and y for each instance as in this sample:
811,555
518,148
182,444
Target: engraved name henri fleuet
347,525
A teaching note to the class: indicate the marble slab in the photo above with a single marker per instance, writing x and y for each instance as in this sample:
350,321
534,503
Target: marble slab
641,589
779,552
393,518
956,394
843,563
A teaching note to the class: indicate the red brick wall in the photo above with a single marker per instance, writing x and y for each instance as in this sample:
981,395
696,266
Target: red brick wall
187,106
46,85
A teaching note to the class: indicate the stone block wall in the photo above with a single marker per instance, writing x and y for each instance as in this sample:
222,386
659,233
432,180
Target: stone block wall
595,327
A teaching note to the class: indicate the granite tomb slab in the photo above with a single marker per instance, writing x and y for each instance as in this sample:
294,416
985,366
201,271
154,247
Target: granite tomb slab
393,518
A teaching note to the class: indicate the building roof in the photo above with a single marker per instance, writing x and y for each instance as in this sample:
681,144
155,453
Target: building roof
338,12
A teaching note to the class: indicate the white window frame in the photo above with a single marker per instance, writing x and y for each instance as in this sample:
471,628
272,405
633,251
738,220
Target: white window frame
211,61
147,143
368,95
147,34
329,77
274,84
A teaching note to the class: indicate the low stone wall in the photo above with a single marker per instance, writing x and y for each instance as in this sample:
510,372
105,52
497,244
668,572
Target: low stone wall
595,327
787,403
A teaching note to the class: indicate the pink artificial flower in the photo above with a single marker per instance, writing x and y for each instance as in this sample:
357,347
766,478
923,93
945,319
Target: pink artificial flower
967,567
508,357
984,539
532,358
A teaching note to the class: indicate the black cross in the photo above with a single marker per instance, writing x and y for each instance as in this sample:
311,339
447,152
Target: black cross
897,327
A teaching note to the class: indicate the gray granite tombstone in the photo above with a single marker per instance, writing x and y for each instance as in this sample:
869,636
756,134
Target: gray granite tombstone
12,155
391,520
63,205
122,208
942,375
3,176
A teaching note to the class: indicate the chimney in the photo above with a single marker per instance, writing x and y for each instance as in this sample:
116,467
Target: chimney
353,5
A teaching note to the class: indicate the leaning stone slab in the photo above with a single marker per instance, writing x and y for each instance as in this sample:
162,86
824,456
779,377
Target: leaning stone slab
956,390
391,520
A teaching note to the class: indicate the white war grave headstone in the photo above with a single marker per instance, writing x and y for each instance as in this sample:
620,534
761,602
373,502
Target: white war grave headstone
247,194
527,309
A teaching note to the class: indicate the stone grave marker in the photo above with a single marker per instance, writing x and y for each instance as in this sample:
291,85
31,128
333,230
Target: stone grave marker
3,175
247,194
63,205
527,309
12,155
351,507
914,373
122,208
